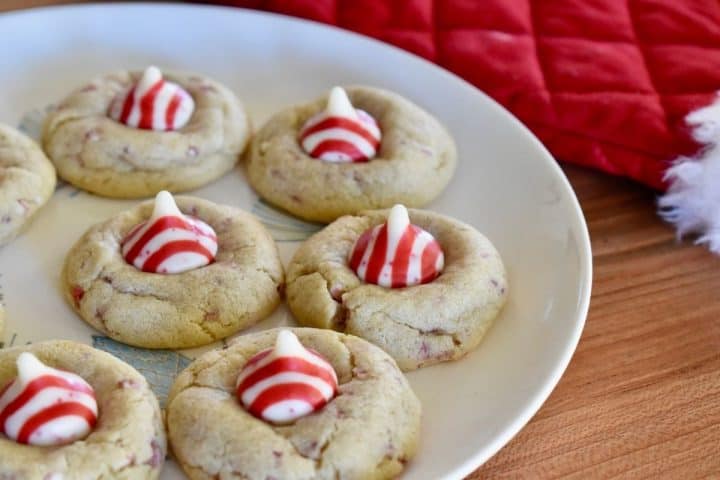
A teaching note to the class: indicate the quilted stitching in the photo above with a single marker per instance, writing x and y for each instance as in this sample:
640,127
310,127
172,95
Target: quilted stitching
603,83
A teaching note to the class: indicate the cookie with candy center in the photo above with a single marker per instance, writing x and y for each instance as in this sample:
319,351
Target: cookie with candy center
169,241
127,437
397,253
153,104
341,133
286,382
44,406
132,134
377,149
438,321
156,276
27,180
369,430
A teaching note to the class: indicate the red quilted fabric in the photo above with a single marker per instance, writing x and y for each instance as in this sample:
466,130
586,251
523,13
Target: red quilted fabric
603,83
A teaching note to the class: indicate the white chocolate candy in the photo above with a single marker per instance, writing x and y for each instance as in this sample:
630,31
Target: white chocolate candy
45,406
153,104
284,383
397,254
339,105
341,133
169,241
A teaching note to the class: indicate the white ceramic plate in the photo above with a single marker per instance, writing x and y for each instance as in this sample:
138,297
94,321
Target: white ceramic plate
506,185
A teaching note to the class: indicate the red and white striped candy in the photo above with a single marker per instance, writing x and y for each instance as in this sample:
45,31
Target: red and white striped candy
45,406
169,242
153,104
341,133
284,383
397,254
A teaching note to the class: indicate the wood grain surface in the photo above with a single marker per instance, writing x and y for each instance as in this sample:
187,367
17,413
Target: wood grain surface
641,397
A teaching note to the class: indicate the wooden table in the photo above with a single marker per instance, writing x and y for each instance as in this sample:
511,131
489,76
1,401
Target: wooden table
641,397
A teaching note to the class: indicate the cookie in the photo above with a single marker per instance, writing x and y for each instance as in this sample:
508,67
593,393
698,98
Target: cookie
414,161
369,430
195,307
127,157
417,325
27,180
128,440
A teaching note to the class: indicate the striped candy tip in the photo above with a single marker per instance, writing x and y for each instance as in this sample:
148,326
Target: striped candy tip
341,133
286,382
44,406
397,253
169,242
153,104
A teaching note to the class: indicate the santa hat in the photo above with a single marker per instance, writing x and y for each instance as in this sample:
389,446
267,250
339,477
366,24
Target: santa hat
692,201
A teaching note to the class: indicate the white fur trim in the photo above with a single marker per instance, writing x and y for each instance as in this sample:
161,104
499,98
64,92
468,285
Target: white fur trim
692,203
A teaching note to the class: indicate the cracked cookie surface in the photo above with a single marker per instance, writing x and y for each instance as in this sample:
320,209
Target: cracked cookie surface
418,326
128,441
181,310
102,156
415,161
368,431
27,180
